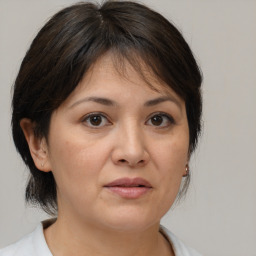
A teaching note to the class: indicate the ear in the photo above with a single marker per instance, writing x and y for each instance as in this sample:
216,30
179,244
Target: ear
186,170
186,167
37,146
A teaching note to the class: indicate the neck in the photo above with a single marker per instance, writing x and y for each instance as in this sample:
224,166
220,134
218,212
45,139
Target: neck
71,238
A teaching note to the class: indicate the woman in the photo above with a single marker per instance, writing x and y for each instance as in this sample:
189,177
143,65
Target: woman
106,114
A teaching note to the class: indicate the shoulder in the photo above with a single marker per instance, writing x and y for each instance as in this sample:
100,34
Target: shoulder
180,249
30,245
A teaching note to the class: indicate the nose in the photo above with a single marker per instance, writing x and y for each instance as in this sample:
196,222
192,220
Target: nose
130,149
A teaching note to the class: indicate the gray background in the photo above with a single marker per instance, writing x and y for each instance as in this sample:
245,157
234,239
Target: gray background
218,214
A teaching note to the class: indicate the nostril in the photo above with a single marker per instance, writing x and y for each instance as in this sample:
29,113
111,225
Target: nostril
131,163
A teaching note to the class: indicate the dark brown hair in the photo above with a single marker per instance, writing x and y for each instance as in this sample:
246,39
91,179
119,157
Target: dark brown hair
70,43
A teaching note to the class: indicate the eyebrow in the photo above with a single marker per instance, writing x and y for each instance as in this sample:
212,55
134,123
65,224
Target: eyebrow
111,103
102,101
159,100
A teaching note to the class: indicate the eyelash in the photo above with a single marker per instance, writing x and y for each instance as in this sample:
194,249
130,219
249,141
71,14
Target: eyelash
169,118
86,119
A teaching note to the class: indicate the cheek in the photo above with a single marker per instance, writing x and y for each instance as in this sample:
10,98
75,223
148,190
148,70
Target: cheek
171,170
170,157
76,163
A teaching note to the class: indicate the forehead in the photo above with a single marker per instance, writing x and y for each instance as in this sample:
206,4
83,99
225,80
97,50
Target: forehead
109,67
121,87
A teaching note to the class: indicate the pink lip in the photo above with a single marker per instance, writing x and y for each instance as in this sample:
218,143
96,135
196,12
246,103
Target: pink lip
129,188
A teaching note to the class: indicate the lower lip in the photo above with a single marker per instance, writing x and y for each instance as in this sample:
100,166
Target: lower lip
129,192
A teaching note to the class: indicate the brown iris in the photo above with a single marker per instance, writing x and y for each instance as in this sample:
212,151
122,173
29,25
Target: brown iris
157,120
95,120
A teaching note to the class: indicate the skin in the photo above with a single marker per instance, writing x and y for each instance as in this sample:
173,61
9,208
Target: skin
125,142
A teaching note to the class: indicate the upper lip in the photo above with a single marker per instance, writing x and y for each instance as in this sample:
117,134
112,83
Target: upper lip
128,182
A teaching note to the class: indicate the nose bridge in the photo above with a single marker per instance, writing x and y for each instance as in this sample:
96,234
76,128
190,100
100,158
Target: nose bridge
133,137
130,148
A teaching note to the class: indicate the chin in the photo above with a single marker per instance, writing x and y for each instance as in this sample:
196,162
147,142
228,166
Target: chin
130,221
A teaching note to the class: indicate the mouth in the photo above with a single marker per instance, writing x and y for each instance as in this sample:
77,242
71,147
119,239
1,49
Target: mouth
129,188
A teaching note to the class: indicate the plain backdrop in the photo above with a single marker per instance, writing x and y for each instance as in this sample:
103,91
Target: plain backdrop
218,215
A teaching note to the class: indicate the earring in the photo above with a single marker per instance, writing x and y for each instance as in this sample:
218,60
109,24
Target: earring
187,171
42,165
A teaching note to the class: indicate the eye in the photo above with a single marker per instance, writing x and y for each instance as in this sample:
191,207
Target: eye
161,120
95,120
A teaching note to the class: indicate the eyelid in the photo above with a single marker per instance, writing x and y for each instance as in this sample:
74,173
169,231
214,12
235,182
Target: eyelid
103,115
164,114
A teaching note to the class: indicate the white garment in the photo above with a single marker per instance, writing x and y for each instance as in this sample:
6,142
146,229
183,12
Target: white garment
34,244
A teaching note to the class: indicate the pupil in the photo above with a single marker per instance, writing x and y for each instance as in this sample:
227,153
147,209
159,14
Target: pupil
95,120
157,120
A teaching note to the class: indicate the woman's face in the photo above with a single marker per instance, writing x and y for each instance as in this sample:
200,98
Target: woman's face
118,149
